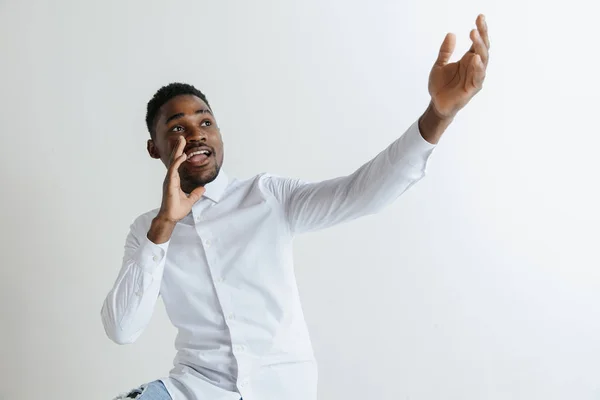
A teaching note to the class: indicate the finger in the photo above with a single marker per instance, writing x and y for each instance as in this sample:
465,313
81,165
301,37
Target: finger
475,74
479,73
479,47
483,30
446,50
172,156
174,168
178,150
196,194
177,158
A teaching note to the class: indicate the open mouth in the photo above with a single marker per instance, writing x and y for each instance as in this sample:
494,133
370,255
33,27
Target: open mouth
198,156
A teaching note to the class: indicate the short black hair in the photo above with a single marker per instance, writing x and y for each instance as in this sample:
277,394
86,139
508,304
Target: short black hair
163,95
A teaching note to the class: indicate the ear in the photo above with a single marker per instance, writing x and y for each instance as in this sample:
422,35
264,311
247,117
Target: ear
152,149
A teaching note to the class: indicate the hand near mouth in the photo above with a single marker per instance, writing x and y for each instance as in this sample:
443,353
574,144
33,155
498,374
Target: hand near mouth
176,204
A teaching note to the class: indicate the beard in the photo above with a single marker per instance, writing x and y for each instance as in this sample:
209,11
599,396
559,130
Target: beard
192,180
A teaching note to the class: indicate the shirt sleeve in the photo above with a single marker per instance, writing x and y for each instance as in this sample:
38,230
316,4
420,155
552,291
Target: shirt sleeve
310,206
129,305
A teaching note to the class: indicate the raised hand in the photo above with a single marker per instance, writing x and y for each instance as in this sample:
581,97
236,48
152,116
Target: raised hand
452,85
176,204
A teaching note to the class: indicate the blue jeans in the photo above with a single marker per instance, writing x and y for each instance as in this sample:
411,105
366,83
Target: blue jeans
153,391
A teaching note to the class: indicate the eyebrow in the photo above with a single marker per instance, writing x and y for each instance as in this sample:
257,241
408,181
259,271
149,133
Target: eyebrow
179,115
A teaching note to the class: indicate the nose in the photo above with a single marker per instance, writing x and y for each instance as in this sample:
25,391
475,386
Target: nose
196,135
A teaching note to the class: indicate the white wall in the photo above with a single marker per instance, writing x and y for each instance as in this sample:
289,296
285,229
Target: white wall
482,282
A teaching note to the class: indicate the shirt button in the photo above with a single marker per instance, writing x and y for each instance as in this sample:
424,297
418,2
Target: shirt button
230,317
207,243
244,383
220,279
199,218
239,348
156,258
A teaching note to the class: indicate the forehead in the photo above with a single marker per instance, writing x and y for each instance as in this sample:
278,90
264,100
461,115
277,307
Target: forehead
187,104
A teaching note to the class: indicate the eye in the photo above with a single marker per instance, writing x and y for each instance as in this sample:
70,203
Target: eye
177,128
206,122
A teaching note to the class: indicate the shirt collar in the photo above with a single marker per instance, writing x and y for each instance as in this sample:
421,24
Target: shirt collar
215,189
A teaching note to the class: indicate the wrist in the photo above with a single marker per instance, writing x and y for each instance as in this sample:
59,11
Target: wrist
161,229
432,125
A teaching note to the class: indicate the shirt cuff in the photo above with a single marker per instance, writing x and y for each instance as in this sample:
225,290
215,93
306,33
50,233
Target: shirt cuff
413,149
151,256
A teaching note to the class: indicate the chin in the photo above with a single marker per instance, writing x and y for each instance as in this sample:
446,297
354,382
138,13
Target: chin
200,179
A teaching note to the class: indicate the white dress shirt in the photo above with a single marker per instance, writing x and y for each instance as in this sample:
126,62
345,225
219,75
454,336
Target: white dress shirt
226,276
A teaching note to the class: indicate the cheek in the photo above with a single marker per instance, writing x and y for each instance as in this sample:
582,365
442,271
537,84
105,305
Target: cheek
221,148
170,146
171,143
218,141
220,152
166,149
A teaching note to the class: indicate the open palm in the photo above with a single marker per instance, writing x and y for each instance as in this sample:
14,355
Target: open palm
452,85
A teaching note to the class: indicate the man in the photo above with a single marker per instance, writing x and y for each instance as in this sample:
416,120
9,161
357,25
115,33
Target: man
219,250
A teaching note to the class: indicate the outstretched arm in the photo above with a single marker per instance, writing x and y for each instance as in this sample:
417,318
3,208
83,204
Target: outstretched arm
377,183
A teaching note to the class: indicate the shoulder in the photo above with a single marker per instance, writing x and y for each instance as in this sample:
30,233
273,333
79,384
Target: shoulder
267,184
273,183
280,187
142,222
259,181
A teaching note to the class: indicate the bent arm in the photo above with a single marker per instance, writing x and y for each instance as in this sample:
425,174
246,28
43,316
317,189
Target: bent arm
129,305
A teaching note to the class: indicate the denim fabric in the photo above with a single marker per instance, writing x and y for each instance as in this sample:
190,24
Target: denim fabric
153,391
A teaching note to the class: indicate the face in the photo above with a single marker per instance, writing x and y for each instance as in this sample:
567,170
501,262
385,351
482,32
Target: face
190,117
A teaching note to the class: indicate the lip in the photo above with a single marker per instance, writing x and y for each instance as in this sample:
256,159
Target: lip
198,160
193,149
197,164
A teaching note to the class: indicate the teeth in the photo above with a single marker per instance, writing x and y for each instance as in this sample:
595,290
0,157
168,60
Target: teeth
195,153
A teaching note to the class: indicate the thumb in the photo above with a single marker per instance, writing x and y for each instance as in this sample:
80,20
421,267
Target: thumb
446,50
196,194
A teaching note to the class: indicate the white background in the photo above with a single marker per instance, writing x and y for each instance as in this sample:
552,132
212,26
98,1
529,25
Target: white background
482,282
